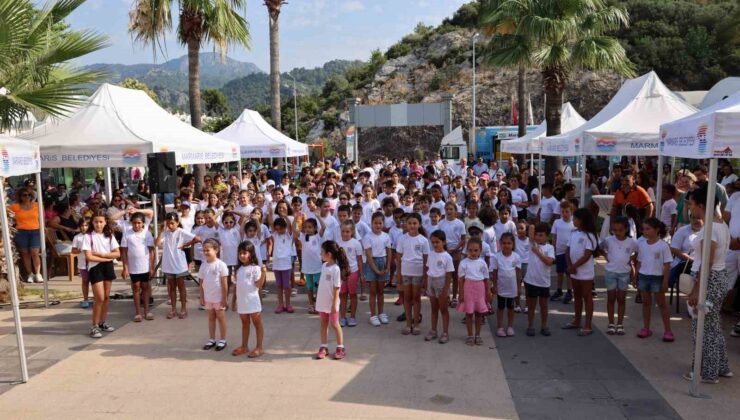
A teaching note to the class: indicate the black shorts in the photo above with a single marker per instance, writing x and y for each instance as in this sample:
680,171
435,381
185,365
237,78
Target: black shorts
536,291
504,302
136,278
101,272
188,255
197,264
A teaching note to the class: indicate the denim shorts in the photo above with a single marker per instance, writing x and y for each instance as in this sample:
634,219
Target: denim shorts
561,264
370,275
312,281
618,281
524,269
27,239
649,283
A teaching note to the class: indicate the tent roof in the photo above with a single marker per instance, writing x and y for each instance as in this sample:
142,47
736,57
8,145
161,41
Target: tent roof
635,129
711,132
721,90
117,127
258,139
19,157
570,119
643,99
454,138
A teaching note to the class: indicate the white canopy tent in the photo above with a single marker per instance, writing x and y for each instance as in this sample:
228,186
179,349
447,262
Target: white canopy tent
19,157
710,133
570,119
258,139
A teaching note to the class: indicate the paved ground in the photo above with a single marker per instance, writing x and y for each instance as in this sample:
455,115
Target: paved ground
157,369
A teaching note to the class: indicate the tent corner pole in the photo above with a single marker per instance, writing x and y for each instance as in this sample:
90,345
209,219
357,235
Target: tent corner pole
156,226
659,187
582,203
240,170
42,227
9,263
108,185
703,280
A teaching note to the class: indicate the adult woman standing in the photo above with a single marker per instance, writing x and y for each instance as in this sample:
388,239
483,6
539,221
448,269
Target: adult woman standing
714,362
28,238
684,183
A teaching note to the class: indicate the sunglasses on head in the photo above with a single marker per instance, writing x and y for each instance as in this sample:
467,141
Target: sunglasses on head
25,195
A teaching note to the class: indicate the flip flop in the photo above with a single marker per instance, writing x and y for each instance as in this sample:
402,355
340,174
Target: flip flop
137,318
149,317
238,351
584,333
171,315
255,354
183,315
570,326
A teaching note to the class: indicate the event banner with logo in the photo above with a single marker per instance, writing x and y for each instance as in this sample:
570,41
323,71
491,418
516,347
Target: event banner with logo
689,138
598,144
18,157
122,156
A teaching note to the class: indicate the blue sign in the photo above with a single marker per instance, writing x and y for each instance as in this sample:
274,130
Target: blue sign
485,138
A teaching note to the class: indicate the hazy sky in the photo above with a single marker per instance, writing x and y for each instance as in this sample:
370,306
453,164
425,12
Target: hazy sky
312,32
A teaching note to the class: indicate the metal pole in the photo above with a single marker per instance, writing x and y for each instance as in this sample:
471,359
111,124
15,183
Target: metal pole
472,142
582,202
108,187
673,170
156,225
704,278
12,285
295,105
42,226
659,188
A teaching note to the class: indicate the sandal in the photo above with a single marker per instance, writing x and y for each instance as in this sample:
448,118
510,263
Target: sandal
470,340
611,329
431,335
149,317
620,329
171,315
183,315
137,318
406,331
415,331
478,341
255,354
444,338
584,333
221,345
209,344
570,326
238,351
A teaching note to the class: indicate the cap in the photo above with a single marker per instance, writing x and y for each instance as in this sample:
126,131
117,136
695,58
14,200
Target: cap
484,176
270,183
185,204
476,225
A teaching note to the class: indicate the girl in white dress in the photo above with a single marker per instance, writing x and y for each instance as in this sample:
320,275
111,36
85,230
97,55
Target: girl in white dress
250,277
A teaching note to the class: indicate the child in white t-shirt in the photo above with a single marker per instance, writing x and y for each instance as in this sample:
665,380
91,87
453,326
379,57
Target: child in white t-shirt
137,256
522,245
475,290
213,276
282,262
619,270
412,251
439,277
668,210
327,297
653,266
506,267
77,243
582,245
173,240
377,248
561,230
548,204
348,293
537,279
246,300
503,225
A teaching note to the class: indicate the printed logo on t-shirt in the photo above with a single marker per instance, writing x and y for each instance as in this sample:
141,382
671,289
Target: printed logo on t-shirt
417,247
328,276
440,264
483,270
580,241
657,255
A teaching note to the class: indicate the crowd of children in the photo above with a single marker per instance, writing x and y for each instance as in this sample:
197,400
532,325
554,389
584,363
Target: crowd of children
464,242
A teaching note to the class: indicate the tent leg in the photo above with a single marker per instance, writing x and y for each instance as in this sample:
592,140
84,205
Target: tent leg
108,186
156,226
582,202
659,187
42,225
673,170
240,170
12,285
703,280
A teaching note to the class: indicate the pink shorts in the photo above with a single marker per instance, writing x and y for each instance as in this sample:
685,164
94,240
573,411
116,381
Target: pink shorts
475,298
214,305
350,286
331,317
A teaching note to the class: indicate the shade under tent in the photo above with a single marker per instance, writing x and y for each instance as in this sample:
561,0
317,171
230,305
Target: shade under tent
711,133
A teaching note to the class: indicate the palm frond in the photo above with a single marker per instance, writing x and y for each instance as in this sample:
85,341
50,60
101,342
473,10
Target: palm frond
602,53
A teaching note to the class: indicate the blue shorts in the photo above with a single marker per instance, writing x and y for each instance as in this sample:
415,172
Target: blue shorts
312,281
649,283
27,239
618,281
561,265
370,275
524,269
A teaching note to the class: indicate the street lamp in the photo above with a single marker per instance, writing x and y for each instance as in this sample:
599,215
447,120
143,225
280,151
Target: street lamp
476,37
295,105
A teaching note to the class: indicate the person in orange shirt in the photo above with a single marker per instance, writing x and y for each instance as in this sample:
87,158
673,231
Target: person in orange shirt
28,238
631,193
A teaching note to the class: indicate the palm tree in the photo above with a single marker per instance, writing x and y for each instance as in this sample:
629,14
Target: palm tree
566,35
273,11
198,22
35,49
506,48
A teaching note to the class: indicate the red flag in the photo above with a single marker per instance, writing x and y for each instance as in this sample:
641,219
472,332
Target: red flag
514,114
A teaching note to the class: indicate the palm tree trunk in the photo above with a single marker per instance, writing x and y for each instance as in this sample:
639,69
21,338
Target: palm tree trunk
553,81
275,67
199,171
521,93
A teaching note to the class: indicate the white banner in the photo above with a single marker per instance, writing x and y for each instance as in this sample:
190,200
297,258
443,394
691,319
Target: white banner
597,144
123,157
18,157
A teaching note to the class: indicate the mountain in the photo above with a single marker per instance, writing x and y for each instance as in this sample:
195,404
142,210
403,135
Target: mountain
254,90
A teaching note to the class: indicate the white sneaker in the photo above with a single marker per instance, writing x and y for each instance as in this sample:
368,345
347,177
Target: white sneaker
383,319
39,278
374,321
30,278
294,292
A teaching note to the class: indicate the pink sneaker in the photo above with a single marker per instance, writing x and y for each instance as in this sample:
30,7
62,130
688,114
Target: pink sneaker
289,309
339,354
323,351
644,333
279,309
668,337
510,332
501,332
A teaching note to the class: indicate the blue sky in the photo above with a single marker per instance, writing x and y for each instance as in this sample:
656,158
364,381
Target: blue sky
312,31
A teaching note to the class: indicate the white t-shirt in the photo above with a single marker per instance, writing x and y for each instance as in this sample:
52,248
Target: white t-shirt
562,230
331,278
728,179
256,243
501,228
173,258
548,205
352,249
210,275
77,242
489,237
368,208
578,243
454,231
733,207
378,244
203,232
438,205
188,222
682,239
652,257
395,233
518,195
311,254
439,264
538,274
247,293
413,250
506,273
619,253
282,251
667,210
362,229
522,247
230,239
97,242
532,209
473,270
137,246
721,236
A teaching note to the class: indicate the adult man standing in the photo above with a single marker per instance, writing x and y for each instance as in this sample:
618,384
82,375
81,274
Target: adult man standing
513,168
728,174
275,173
701,174
480,167
615,180
633,194
567,171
